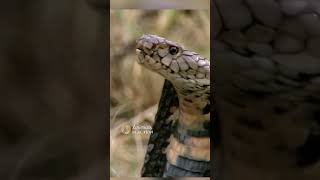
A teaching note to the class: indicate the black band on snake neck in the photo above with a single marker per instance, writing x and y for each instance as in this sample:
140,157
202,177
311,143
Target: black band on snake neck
182,134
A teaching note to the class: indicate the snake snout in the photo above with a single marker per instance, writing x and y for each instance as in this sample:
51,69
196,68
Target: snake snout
140,51
139,44
140,55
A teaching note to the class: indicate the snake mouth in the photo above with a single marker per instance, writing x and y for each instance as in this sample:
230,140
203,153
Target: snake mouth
144,56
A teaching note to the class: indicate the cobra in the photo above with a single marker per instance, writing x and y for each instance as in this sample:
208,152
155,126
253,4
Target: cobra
188,153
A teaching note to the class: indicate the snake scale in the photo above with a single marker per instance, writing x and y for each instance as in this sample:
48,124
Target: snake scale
267,88
188,152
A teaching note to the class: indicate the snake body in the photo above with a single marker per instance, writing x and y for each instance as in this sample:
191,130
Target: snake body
188,153
267,89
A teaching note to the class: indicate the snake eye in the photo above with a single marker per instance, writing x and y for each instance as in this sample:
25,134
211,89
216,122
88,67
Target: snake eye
173,50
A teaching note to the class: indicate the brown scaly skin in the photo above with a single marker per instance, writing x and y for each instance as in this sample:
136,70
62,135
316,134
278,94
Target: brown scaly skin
267,88
188,153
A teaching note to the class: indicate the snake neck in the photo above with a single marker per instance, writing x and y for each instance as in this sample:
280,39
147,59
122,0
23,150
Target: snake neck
194,108
188,153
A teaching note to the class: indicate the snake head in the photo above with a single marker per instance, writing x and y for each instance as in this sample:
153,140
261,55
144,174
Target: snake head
185,69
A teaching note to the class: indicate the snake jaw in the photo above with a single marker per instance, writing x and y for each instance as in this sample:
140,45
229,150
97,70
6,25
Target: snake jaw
145,59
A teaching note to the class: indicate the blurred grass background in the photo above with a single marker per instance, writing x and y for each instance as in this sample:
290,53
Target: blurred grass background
134,90
163,4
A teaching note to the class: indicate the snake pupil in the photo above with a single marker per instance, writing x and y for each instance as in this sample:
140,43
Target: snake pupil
173,50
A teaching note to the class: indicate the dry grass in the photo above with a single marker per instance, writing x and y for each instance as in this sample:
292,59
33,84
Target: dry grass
135,91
